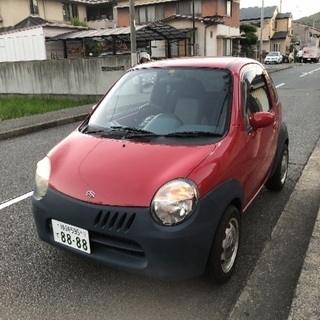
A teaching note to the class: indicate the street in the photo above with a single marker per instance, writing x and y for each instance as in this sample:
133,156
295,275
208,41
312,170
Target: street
42,282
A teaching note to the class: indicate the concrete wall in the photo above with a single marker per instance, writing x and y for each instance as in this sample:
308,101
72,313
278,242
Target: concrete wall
62,77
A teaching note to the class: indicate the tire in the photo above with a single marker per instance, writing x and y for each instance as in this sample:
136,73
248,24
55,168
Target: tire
277,181
224,251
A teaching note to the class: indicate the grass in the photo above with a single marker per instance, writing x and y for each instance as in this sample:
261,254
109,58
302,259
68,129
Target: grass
13,107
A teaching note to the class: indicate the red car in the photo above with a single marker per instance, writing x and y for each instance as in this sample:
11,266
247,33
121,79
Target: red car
156,179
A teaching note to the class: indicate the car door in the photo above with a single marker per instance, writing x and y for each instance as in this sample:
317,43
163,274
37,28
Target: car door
259,144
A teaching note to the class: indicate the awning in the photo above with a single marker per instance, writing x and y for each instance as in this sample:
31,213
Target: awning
225,36
149,32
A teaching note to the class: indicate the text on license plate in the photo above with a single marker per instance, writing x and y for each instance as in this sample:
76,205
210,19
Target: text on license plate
71,236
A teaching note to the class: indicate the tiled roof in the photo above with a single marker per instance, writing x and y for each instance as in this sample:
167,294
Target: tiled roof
5,29
279,35
284,15
32,22
210,19
26,23
254,13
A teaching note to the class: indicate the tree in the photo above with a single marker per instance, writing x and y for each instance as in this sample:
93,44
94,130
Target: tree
248,40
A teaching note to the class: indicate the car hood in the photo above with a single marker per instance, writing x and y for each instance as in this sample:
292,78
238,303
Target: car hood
118,172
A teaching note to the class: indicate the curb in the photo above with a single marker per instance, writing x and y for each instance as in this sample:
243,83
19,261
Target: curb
281,68
41,126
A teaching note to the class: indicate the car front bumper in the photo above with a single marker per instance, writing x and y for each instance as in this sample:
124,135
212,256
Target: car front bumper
128,238
271,61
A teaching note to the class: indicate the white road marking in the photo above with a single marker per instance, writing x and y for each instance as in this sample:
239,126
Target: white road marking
15,200
280,85
305,74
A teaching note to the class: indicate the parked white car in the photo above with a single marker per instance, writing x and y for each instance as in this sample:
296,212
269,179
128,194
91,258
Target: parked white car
273,57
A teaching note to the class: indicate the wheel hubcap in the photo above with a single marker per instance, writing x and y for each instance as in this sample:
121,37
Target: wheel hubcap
230,245
284,167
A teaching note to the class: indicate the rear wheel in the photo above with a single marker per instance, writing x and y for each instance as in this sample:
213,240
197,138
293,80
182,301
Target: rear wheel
278,179
224,251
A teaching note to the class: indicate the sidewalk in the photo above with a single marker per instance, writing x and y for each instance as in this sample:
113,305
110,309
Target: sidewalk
17,127
305,305
298,228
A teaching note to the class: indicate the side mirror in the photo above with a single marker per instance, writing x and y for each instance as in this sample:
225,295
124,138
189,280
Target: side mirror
261,120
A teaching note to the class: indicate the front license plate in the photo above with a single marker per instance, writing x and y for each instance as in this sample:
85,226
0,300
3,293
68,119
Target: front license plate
71,236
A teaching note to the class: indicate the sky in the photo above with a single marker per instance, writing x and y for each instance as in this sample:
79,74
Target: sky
298,8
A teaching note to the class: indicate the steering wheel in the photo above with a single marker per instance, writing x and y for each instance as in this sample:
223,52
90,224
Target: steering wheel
164,123
147,112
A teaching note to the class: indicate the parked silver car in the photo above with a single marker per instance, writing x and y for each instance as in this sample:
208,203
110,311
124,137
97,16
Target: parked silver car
273,57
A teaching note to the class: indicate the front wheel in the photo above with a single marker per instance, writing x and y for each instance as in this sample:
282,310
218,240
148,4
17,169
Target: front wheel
224,251
279,177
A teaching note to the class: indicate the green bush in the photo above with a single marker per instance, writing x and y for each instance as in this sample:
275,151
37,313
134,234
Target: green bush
77,22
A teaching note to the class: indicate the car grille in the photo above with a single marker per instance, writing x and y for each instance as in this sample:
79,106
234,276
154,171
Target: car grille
109,243
114,221
108,228
108,235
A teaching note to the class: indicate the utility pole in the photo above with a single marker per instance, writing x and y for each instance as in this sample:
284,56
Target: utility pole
193,31
313,40
261,29
133,39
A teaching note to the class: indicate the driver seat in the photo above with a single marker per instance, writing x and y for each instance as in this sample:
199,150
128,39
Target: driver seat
189,102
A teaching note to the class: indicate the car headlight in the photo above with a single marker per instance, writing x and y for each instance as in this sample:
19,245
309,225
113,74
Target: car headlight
42,176
174,202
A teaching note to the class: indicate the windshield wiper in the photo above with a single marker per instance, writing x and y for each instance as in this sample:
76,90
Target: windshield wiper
95,131
133,131
187,134
128,132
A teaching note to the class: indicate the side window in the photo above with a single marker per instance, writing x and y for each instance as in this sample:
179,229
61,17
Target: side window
255,95
273,91
34,8
260,97
228,8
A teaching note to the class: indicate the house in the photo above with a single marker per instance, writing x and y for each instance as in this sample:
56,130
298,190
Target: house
97,13
277,27
28,41
305,35
27,26
211,27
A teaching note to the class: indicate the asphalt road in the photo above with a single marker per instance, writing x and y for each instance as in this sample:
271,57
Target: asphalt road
41,282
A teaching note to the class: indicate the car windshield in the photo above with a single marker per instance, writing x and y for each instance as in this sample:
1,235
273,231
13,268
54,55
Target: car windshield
273,54
166,102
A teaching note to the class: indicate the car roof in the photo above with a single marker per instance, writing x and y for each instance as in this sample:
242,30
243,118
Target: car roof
232,63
